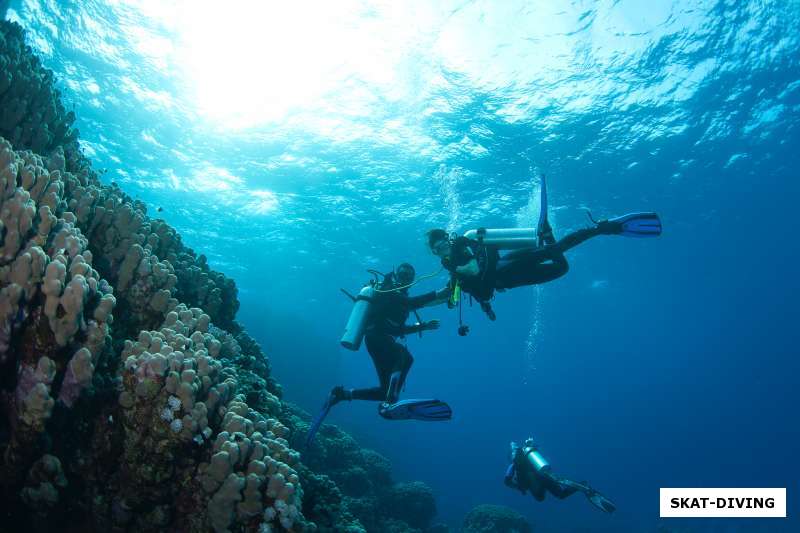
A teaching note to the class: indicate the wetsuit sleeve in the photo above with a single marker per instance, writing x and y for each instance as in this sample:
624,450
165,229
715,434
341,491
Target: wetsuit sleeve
429,298
416,328
511,479
415,302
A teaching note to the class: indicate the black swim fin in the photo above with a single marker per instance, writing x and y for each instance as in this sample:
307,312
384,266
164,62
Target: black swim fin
601,502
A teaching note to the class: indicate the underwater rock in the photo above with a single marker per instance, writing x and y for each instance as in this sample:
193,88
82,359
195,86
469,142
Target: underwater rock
495,519
363,477
43,486
413,503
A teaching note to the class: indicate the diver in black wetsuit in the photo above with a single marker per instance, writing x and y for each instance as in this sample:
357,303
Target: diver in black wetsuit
530,472
389,310
392,360
478,268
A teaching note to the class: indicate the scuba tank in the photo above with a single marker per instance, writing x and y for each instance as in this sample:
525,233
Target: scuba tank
534,458
356,324
505,239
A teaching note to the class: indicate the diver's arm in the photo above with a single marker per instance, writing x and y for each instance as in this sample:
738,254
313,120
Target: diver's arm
422,326
511,479
471,269
428,299
442,296
463,260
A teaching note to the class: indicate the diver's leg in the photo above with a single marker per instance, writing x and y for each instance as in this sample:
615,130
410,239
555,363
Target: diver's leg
373,394
380,350
545,233
402,365
530,267
631,225
575,238
538,492
563,487
558,488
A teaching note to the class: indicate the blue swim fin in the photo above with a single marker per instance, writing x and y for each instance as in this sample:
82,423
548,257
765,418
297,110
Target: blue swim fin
544,232
427,410
633,225
336,396
317,422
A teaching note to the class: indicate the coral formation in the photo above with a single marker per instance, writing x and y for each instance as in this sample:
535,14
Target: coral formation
176,394
364,478
31,112
55,309
43,487
495,519
133,400
412,503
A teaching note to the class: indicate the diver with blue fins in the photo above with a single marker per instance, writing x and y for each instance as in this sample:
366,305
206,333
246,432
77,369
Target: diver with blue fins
533,257
530,472
379,317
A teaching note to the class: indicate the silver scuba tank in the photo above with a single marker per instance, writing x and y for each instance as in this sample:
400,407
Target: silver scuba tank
505,239
536,460
357,323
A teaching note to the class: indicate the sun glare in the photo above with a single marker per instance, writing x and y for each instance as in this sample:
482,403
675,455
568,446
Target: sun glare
252,62
244,62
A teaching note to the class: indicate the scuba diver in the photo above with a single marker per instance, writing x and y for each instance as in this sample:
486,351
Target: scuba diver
530,472
379,317
477,268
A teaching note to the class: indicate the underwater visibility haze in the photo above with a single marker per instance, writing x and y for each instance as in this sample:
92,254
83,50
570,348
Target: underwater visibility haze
297,144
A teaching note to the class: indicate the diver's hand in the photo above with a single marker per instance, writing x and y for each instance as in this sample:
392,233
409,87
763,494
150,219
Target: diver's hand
431,325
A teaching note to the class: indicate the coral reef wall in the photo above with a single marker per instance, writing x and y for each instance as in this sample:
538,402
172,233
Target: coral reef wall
132,399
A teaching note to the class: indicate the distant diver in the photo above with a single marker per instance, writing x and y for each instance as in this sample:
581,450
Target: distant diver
530,472
379,317
477,268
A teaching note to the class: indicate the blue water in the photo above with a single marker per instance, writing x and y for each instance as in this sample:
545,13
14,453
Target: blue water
297,146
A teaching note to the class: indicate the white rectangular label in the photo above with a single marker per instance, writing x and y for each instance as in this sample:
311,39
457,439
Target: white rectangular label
723,503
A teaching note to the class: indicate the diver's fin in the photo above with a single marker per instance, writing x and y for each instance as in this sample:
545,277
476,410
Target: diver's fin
333,399
544,232
317,422
428,410
594,497
600,501
633,225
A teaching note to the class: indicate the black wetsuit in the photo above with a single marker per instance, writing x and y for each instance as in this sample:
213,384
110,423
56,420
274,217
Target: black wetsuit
516,268
389,313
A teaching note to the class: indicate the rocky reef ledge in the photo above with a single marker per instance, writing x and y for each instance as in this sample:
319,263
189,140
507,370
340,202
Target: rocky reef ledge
132,399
